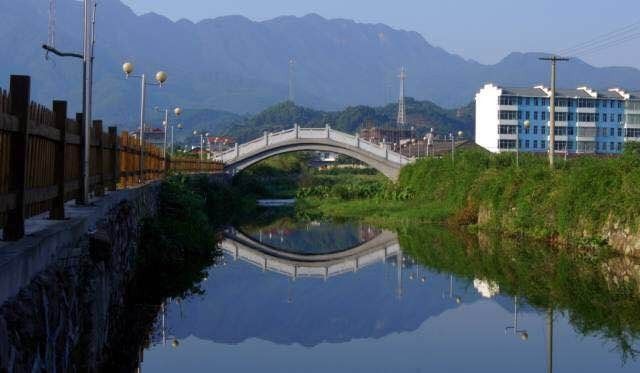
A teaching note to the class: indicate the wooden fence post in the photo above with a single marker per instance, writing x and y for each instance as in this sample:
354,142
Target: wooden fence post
99,188
20,97
167,164
125,157
83,138
60,117
115,160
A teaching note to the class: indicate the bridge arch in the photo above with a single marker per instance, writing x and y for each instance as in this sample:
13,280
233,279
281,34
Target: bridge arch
379,157
241,246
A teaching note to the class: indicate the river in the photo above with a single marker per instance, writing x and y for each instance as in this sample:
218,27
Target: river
320,296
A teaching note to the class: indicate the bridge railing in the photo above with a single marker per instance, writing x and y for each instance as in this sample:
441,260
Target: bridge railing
312,133
269,139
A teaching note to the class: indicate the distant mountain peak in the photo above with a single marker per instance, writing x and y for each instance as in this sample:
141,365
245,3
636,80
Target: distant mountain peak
235,64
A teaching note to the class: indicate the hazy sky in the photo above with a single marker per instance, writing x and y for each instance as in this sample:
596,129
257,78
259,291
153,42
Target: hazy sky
484,30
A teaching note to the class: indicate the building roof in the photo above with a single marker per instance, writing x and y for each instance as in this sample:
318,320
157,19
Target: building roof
581,92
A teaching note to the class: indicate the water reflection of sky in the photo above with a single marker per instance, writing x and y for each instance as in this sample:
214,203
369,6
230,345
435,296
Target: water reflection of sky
251,320
316,237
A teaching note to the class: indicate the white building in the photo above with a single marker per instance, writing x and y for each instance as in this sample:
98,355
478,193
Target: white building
587,121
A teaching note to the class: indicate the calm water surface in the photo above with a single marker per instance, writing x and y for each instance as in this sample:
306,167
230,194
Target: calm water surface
365,306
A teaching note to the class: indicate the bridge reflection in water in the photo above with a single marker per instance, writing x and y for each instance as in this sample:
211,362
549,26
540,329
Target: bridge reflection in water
293,265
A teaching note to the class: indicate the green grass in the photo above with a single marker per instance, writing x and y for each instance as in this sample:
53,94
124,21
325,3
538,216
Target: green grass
578,198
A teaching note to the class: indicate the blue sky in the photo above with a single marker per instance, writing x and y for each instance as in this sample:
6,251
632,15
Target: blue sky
483,30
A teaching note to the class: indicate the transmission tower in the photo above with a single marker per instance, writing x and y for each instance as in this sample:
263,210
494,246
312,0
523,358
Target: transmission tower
402,115
292,63
51,41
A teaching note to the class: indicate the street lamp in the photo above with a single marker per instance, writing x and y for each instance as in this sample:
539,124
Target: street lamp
177,111
161,78
202,136
451,294
179,129
460,135
524,335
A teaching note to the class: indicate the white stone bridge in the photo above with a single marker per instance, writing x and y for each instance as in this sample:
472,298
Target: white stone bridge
325,139
376,250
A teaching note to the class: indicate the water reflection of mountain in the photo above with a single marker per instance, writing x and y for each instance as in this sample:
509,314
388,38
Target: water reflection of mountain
242,302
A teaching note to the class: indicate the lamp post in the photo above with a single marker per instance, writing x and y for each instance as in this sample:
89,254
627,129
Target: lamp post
460,134
179,129
524,335
161,78
451,294
165,123
202,136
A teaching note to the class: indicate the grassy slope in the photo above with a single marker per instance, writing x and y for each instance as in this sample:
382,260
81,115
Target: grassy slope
580,195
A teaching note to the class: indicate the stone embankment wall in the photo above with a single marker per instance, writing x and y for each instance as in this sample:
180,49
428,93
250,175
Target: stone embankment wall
60,321
622,237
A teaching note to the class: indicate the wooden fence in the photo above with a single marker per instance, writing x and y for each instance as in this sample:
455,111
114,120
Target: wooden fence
41,153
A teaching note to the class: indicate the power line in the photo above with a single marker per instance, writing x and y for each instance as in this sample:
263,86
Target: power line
601,38
611,44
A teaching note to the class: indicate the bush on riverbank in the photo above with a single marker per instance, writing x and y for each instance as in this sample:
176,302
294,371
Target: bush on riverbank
578,198
178,245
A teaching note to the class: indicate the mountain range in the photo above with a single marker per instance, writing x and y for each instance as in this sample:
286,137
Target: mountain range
238,65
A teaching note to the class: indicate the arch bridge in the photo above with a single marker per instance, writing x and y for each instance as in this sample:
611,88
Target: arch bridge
325,139
293,265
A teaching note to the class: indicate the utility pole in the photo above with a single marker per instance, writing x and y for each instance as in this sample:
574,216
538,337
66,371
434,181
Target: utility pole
402,113
552,120
88,43
550,340
291,80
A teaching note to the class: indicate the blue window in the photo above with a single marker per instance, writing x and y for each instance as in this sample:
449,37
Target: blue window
535,115
519,114
611,103
519,100
535,144
543,115
611,145
543,129
526,144
604,117
542,144
612,117
527,114
619,132
612,131
527,101
535,130
619,118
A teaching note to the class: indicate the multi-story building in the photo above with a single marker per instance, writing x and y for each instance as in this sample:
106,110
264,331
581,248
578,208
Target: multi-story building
587,121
